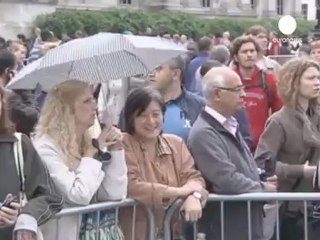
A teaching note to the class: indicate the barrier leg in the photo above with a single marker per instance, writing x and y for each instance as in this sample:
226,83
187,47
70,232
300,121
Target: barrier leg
222,219
249,220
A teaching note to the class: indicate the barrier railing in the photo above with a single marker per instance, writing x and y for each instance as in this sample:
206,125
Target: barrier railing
282,59
98,207
249,198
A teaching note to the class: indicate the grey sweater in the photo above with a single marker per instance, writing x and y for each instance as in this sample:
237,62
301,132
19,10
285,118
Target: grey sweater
43,202
227,165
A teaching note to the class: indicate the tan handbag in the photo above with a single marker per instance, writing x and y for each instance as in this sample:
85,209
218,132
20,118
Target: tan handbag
19,160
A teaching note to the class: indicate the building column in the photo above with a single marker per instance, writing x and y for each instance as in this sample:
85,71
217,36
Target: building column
287,7
267,8
192,4
245,5
229,7
232,5
296,10
247,8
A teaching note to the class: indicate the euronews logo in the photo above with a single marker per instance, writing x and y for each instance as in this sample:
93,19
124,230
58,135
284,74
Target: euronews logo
287,25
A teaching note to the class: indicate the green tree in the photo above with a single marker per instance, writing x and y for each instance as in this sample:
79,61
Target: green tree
136,21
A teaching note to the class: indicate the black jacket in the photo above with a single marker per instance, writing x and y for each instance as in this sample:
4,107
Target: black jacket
43,201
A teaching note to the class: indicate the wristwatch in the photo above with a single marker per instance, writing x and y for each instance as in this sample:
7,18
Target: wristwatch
197,195
103,155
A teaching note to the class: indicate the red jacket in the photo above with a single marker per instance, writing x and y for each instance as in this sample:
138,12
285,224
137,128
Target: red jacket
258,103
275,48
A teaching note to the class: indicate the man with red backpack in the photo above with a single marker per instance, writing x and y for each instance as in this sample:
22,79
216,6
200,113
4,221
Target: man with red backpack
261,90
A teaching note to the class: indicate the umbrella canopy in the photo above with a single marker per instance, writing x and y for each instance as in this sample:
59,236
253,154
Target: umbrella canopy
99,58
26,71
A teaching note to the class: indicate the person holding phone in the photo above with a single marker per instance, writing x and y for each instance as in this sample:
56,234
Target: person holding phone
9,211
21,222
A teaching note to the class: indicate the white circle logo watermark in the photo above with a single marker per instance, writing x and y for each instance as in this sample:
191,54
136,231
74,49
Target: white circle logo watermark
287,25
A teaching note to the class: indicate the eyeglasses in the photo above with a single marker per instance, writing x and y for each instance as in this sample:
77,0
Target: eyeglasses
235,89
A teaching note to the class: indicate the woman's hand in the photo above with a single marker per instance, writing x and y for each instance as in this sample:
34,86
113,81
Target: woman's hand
190,187
192,209
273,180
9,216
110,138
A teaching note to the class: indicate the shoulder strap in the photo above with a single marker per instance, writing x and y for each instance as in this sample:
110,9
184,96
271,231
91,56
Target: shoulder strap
263,83
18,156
263,80
265,86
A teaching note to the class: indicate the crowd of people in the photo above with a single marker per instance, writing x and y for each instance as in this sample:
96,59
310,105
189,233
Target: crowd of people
224,119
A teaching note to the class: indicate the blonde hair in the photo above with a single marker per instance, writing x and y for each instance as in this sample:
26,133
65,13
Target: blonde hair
15,46
58,121
289,78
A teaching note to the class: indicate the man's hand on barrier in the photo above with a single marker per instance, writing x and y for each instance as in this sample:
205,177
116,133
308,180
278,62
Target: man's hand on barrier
192,209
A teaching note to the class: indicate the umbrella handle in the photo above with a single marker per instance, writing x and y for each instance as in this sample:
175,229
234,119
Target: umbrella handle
97,92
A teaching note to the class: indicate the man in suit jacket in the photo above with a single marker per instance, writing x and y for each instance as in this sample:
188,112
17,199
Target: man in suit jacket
225,160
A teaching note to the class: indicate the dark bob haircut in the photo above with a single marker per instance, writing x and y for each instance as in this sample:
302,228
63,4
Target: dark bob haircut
137,102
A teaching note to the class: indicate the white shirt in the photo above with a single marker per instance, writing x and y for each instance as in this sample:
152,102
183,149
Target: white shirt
78,187
230,124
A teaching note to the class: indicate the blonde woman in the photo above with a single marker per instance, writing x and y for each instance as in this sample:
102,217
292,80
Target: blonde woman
291,139
80,167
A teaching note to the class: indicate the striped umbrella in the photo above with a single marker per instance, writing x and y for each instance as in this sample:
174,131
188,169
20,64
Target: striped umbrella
26,71
99,58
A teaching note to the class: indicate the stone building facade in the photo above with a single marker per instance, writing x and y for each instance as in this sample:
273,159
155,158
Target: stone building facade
17,15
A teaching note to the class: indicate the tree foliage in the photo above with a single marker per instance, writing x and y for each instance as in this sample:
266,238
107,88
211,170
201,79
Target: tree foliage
137,21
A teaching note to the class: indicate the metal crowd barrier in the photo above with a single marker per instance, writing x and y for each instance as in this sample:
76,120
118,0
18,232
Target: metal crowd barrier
282,59
249,198
98,207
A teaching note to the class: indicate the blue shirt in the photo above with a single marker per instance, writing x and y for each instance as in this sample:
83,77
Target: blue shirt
192,69
244,127
181,113
175,121
184,111
190,104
